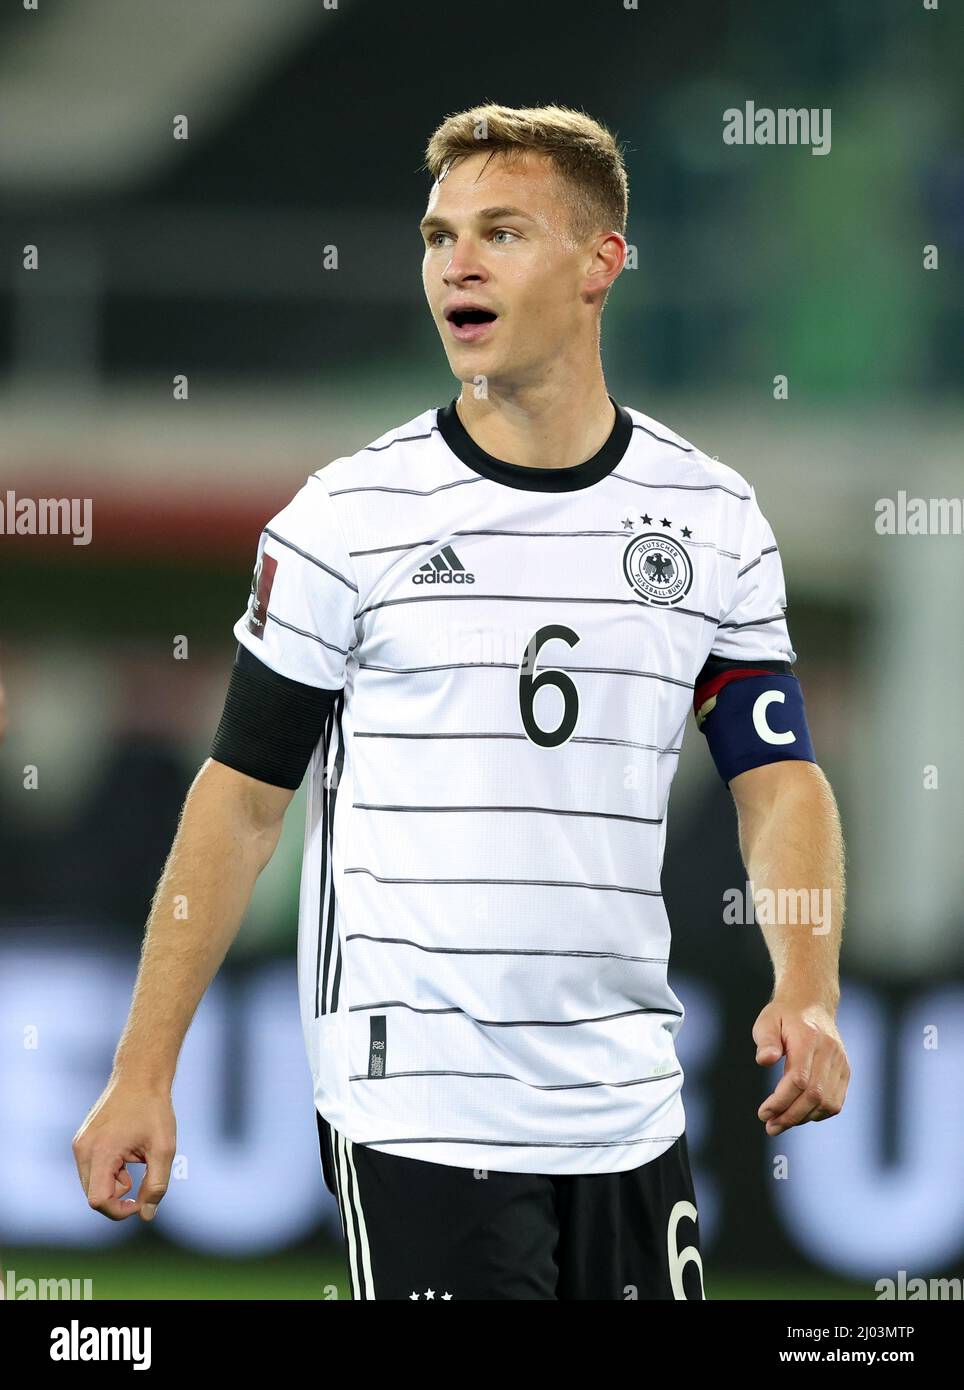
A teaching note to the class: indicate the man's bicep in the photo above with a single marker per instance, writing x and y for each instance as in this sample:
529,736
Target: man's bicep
758,789
259,804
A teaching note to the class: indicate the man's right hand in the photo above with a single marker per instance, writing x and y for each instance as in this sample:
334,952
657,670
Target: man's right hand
128,1124
229,828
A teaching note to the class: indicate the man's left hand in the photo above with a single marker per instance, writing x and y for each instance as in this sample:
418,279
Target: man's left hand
817,1073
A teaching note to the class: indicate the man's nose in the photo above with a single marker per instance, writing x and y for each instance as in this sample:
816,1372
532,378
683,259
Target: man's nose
464,265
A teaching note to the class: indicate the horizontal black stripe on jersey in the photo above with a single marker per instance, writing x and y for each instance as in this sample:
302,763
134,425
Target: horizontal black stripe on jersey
449,597
314,560
711,545
533,1143
685,487
400,439
756,622
509,882
542,810
514,1022
504,950
409,491
576,738
514,666
768,550
430,544
312,636
507,1076
686,448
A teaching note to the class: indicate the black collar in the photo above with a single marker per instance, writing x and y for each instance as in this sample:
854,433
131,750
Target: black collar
517,475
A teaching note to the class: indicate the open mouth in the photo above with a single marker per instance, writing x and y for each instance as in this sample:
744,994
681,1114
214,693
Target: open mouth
463,316
468,325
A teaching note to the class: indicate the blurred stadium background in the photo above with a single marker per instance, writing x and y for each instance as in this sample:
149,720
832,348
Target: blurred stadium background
272,259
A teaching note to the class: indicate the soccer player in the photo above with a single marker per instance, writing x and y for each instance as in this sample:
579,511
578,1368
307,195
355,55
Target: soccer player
481,636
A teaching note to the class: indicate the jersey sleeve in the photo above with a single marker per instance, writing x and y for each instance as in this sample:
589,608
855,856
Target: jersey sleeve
300,619
747,701
754,627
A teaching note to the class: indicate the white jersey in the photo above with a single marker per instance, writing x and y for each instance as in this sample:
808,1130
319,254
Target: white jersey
483,944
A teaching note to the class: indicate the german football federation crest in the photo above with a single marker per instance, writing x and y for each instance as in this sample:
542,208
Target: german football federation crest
658,569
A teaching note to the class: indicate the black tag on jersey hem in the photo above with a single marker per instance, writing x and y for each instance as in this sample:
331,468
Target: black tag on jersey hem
377,1050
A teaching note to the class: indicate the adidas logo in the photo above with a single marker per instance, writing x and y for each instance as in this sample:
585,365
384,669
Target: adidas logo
443,568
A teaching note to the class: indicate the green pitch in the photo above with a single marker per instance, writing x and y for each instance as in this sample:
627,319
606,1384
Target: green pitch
317,1274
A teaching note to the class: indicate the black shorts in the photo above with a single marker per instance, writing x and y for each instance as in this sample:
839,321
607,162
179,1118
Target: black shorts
415,1230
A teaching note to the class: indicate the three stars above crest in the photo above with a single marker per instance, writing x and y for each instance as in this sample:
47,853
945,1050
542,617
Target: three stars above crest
647,520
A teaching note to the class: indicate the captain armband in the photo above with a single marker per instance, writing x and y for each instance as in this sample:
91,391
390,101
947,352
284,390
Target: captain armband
270,725
751,713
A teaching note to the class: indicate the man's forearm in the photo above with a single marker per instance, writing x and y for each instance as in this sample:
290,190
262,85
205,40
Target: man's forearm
794,856
217,854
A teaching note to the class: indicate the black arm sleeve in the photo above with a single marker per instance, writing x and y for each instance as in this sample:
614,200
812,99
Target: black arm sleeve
270,724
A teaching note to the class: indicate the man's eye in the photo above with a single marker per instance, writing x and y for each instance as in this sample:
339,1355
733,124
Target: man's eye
432,237
503,231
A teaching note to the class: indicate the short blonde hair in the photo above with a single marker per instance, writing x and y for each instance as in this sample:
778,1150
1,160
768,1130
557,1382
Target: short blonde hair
582,150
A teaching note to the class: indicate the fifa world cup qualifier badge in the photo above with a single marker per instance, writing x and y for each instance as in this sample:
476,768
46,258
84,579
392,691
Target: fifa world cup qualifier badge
260,594
658,569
